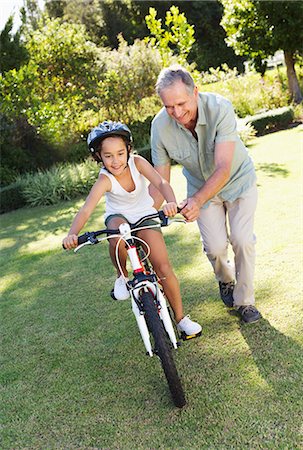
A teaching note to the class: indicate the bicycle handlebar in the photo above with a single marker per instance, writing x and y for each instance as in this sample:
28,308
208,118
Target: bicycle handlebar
92,235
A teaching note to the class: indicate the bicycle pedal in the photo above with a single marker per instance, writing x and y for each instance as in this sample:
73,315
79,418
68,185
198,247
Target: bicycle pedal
187,337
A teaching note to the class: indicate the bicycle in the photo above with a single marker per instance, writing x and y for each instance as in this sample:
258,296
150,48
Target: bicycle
148,301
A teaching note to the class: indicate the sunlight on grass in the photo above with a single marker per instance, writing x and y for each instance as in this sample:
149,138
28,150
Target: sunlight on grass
7,243
7,281
73,367
45,245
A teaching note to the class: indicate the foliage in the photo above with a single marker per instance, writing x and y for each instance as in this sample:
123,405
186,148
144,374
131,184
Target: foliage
251,94
22,149
11,197
221,73
259,28
177,38
52,88
42,101
61,182
12,50
271,120
246,131
129,78
106,19
31,15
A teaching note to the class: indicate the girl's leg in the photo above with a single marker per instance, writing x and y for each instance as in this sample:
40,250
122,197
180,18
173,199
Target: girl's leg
114,223
159,259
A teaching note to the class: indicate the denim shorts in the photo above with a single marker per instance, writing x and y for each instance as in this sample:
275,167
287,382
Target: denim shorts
145,223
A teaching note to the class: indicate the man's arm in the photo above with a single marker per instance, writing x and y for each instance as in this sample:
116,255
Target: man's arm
224,152
158,198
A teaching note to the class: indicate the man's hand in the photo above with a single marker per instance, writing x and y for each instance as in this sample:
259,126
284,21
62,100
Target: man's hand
190,209
170,209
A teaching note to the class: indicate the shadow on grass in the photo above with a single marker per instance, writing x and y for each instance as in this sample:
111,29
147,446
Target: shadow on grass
273,169
280,361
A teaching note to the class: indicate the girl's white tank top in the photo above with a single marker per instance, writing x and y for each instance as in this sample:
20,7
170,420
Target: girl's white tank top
132,205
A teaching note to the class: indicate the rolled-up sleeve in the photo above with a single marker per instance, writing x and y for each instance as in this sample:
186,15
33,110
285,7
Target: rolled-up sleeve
226,129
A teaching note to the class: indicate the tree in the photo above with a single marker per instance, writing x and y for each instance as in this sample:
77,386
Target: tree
30,15
106,19
44,99
12,51
177,38
259,28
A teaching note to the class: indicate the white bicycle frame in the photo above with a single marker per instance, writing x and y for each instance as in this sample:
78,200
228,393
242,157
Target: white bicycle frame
147,286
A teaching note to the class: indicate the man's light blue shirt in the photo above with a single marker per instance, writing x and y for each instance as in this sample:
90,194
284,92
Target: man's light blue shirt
216,123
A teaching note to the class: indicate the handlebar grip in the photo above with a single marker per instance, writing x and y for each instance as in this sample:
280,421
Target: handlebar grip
81,239
180,209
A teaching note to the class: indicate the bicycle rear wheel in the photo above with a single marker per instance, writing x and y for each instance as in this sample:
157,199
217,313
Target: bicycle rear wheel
163,349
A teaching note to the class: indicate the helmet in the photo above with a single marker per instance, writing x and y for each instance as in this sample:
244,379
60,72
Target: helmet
104,130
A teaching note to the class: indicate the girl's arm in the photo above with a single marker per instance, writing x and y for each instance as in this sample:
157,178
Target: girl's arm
101,186
147,170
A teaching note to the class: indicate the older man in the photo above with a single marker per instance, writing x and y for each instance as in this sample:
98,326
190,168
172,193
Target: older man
198,130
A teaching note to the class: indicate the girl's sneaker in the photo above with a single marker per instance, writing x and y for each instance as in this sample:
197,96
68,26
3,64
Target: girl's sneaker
120,289
188,328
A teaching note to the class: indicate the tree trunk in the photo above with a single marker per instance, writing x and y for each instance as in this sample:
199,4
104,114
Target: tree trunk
293,82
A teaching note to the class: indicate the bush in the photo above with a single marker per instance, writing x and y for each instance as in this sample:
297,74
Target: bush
11,197
141,132
63,182
22,148
48,187
251,94
274,119
129,79
246,131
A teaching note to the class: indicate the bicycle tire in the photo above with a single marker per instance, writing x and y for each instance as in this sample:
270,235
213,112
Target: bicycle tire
163,349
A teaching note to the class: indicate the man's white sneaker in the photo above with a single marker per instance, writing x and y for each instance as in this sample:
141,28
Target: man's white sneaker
120,289
189,327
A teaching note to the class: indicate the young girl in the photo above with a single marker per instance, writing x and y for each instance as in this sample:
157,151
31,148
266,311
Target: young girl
123,182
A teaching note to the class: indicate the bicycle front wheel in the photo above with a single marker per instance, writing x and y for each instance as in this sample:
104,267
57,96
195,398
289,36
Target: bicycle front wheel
163,349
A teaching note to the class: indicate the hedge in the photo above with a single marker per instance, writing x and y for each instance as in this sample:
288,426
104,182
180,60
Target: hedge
11,197
273,119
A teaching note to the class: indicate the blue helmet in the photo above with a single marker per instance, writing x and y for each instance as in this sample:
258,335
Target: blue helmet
104,130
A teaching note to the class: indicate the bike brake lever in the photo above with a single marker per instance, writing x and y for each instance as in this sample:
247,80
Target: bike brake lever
91,241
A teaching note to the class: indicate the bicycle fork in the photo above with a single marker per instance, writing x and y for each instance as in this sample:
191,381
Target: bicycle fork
163,312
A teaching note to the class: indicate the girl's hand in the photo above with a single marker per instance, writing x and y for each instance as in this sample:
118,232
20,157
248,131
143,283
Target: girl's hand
70,241
170,209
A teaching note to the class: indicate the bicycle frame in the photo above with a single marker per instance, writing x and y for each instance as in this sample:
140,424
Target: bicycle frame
145,282
142,281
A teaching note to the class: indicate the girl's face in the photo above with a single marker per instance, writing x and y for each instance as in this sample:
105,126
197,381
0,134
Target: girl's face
114,154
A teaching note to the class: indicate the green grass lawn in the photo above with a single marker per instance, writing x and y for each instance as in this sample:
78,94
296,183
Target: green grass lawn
73,368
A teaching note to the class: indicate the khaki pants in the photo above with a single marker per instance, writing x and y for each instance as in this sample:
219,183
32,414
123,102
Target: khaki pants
212,223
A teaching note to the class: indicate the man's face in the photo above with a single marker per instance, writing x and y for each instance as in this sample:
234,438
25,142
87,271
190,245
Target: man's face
180,104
